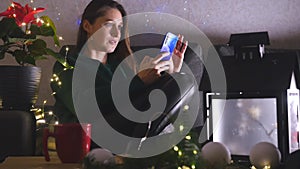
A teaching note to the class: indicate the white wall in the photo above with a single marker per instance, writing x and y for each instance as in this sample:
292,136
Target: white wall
216,18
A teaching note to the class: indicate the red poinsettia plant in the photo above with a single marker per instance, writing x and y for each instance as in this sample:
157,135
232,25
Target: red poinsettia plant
21,34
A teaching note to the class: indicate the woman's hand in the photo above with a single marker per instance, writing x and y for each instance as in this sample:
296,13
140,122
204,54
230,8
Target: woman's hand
178,53
150,68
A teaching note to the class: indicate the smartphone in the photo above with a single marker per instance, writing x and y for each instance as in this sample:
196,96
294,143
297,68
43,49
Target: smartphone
169,45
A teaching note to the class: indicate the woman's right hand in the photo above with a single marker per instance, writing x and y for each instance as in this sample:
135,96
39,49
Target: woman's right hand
150,68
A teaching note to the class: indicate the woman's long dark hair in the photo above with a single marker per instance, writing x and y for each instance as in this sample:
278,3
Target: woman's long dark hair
98,8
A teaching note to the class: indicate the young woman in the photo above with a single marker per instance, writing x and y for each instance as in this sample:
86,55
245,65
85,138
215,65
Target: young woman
103,39
107,16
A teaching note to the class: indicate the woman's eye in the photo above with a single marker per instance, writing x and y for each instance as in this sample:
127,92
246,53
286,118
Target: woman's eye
112,24
120,27
108,24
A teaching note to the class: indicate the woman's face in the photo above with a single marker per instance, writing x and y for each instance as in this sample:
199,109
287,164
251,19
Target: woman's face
105,32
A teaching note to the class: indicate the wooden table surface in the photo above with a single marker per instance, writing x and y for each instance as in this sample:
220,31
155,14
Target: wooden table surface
36,162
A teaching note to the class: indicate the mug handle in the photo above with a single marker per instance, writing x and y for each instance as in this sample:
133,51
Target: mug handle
46,135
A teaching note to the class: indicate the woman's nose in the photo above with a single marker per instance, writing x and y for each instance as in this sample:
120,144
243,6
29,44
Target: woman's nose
115,32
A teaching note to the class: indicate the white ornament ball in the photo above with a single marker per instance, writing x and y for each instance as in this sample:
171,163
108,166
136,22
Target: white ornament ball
101,156
265,154
216,154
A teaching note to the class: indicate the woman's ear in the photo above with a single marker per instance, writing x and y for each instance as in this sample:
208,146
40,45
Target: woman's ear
87,26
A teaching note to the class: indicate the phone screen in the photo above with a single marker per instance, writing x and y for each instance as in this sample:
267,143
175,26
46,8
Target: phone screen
169,45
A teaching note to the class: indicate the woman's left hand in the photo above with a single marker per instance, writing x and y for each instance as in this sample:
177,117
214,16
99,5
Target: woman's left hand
178,53
150,68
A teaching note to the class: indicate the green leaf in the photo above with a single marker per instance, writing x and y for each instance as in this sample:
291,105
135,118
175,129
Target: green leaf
46,30
14,40
29,59
19,56
35,29
39,43
58,57
40,57
19,53
10,28
56,40
17,33
43,30
30,36
7,26
23,58
37,48
52,25
5,49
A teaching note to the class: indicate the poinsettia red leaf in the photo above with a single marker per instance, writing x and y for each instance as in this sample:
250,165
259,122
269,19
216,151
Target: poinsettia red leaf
38,10
6,13
28,8
19,16
18,8
30,16
9,12
17,5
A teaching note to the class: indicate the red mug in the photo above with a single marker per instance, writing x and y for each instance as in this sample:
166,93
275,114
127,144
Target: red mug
72,141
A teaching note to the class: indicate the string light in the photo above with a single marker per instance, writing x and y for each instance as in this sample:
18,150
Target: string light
188,137
41,121
50,113
46,118
179,153
42,117
42,21
186,108
40,114
181,128
66,54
